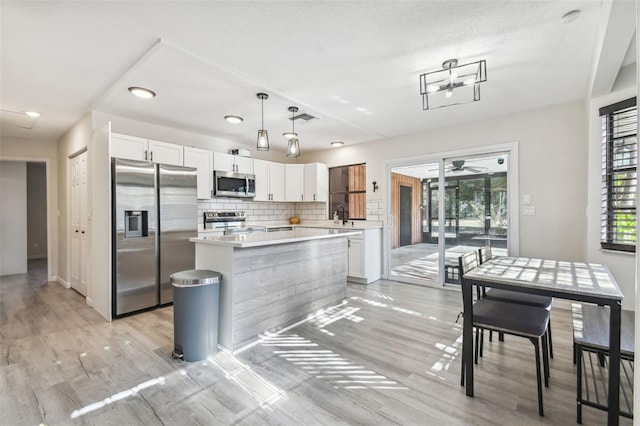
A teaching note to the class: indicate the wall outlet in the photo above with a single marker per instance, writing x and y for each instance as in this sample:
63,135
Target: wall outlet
529,211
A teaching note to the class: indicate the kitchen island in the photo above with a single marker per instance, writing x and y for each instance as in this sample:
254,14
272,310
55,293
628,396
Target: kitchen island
272,280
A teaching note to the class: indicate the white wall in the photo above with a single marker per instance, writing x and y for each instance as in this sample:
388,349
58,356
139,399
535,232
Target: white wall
43,151
36,210
13,217
552,169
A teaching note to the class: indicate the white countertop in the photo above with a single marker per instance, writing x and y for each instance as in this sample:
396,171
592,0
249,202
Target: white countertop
272,238
321,224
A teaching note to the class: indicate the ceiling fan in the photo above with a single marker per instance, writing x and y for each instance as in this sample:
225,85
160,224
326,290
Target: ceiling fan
458,166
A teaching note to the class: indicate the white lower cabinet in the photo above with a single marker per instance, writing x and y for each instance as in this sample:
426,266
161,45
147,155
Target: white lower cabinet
365,253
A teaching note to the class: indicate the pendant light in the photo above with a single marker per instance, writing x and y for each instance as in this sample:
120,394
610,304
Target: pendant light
293,148
263,136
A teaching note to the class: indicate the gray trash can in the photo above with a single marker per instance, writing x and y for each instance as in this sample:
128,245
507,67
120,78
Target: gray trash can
196,294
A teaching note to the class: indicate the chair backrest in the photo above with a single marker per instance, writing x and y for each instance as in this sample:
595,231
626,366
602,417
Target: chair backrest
467,262
484,254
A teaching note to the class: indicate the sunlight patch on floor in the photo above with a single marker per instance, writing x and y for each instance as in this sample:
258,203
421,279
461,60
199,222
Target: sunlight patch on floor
249,381
332,367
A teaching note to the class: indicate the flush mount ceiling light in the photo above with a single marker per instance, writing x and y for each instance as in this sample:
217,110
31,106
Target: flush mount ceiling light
263,136
293,148
337,144
141,92
452,85
33,114
235,119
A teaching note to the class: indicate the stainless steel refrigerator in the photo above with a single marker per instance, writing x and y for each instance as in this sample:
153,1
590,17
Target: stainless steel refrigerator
154,215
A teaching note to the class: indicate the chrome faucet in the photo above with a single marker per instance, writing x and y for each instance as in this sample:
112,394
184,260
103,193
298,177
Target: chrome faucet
344,219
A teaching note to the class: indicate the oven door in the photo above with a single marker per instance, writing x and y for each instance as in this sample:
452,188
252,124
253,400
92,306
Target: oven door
230,184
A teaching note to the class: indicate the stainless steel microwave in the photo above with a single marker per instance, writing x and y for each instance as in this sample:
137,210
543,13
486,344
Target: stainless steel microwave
232,184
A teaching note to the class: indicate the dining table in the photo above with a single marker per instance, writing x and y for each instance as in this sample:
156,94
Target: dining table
578,281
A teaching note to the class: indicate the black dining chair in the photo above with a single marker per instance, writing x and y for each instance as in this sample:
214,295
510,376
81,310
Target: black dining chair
484,254
519,320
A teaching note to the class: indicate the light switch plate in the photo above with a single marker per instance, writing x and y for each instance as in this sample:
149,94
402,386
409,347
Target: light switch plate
526,199
529,211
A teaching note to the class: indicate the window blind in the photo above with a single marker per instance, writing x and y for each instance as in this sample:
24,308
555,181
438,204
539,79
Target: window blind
619,175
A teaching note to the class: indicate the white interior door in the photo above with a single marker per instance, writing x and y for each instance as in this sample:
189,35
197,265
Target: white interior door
79,223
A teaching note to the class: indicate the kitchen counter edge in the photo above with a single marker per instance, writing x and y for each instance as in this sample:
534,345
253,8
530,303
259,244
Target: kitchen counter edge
273,238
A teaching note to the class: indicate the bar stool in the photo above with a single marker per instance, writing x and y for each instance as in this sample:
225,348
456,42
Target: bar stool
591,337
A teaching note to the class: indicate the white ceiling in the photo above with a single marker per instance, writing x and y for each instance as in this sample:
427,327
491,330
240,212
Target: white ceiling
354,65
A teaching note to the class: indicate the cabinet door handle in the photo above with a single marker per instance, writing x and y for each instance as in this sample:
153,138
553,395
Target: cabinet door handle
76,230
151,155
212,193
301,197
83,232
348,243
314,197
145,154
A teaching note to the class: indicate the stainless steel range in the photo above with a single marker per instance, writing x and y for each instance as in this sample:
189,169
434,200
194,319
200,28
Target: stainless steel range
231,222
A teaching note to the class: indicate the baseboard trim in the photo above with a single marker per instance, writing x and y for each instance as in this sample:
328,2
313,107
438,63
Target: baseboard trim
37,256
63,282
89,301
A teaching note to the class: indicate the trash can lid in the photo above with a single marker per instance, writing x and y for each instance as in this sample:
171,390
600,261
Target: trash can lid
195,277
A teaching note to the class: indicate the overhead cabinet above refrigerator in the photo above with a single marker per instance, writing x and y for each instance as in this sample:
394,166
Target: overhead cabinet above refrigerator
154,215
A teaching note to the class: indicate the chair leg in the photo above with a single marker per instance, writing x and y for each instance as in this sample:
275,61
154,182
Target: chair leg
481,342
462,369
478,330
491,335
501,337
578,355
536,345
545,360
550,340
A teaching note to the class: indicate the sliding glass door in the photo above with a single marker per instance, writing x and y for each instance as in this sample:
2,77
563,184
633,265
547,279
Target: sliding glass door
478,191
442,209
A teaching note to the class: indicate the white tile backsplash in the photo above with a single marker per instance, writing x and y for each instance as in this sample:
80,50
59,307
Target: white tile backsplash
273,212
375,210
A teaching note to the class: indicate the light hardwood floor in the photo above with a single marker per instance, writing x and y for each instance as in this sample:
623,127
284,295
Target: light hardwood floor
390,355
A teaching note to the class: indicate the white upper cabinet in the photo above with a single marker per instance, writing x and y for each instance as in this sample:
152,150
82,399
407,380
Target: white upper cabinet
261,170
243,164
294,182
316,182
269,180
276,181
166,153
129,147
232,163
202,160
134,148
